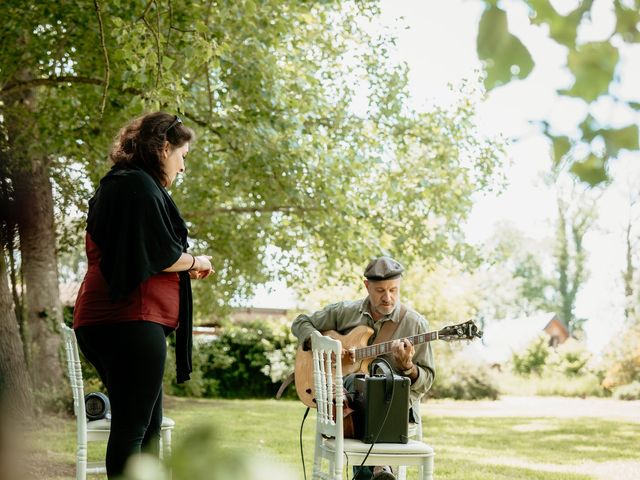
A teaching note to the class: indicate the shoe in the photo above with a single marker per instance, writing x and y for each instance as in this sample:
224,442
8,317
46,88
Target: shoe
383,472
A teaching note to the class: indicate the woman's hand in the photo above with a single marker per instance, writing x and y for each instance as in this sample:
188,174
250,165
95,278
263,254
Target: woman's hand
202,267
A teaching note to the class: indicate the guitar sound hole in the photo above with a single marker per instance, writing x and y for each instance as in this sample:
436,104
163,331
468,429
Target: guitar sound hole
308,390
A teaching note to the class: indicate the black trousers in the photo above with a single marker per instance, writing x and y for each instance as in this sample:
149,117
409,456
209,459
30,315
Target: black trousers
129,357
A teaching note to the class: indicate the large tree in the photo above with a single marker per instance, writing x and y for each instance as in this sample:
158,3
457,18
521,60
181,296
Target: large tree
307,157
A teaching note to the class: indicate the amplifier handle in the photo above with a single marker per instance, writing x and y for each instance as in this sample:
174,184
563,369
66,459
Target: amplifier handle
386,369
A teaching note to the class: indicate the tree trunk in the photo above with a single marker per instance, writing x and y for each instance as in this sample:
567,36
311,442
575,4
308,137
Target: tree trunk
15,387
563,259
628,276
34,208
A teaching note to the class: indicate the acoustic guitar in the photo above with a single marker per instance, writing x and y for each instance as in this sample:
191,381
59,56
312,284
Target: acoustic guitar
356,342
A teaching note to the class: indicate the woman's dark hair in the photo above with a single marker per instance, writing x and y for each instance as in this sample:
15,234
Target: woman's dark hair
141,142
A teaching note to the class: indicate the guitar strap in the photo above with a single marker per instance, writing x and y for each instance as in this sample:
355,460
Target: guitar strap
389,327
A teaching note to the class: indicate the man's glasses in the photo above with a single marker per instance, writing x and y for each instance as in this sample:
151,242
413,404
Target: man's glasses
173,124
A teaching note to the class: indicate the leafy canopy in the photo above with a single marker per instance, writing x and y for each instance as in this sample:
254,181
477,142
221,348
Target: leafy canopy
594,66
308,158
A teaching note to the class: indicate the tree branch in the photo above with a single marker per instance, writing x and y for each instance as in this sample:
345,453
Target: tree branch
106,57
156,37
207,69
203,123
36,82
146,9
55,81
272,209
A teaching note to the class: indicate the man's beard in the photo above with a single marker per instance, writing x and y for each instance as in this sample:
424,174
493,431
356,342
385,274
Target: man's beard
385,309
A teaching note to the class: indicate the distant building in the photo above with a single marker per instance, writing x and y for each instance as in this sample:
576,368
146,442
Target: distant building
502,338
557,331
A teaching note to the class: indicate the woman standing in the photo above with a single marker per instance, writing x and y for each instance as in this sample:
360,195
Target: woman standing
137,288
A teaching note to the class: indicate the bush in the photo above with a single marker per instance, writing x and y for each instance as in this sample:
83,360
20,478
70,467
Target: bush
463,379
570,358
246,361
534,357
622,359
627,392
196,386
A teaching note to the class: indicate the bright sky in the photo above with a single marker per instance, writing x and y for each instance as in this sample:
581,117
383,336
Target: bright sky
439,47
438,44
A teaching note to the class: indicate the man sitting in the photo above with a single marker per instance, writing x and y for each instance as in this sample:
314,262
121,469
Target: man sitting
383,277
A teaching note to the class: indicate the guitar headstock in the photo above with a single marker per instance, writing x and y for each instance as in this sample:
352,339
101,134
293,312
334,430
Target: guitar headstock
463,331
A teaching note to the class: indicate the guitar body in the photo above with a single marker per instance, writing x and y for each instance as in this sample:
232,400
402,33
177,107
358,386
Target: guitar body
356,338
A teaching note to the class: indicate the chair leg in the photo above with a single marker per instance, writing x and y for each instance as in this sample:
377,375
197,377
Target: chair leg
165,447
402,472
427,468
317,459
81,462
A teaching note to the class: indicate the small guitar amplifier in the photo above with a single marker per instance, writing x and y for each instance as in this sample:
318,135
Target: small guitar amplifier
96,406
374,396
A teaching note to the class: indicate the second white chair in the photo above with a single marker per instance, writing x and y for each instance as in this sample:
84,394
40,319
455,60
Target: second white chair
330,444
88,431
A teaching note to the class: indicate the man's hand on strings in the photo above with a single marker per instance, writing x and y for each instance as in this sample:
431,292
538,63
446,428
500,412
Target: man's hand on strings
348,355
403,351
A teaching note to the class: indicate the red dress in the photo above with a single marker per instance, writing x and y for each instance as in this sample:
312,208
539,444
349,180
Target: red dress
157,299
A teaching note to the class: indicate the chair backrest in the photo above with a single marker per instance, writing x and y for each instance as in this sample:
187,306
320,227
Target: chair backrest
74,370
329,391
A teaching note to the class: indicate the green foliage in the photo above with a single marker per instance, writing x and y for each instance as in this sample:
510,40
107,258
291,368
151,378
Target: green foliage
622,359
287,176
630,391
197,386
463,379
495,41
517,283
593,65
533,358
542,370
246,361
570,358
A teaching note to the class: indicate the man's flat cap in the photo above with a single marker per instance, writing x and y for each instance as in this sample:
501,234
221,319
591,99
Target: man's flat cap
383,268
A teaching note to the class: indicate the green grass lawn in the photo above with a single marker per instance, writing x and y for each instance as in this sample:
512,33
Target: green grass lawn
466,448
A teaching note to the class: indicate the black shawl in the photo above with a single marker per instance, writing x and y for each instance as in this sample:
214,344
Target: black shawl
139,230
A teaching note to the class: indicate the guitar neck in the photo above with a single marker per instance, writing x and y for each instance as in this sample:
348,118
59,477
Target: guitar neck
385,347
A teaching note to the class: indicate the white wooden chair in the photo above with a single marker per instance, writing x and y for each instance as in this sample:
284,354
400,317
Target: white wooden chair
95,430
330,444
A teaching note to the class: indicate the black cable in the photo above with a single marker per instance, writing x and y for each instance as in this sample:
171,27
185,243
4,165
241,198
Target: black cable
301,450
393,389
347,458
